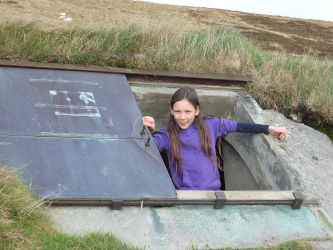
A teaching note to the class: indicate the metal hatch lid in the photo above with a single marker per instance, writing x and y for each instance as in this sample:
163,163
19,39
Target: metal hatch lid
77,135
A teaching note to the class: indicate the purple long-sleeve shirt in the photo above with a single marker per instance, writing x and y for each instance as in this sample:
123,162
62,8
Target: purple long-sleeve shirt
199,172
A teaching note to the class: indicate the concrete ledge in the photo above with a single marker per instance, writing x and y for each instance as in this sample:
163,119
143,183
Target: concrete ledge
236,195
260,195
195,195
239,198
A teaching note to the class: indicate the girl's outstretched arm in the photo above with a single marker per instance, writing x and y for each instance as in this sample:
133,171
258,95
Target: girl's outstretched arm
149,122
281,132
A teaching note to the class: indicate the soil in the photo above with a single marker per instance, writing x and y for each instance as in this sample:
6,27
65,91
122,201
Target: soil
294,36
276,33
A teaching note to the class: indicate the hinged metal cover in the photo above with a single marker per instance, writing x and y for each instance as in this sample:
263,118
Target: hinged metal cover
76,135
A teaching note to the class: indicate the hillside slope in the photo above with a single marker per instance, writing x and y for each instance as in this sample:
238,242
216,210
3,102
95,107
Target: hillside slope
296,36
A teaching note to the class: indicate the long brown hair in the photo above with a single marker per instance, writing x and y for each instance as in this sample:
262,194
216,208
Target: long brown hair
174,129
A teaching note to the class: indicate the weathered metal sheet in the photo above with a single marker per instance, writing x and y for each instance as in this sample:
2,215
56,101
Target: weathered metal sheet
77,135
67,103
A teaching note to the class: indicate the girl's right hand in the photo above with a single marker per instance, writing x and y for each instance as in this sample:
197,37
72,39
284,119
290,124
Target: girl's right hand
149,122
281,132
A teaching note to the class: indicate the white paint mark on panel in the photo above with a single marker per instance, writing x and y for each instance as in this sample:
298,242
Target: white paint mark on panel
41,105
100,136
87,97
61,81
85,103
53,92
80,114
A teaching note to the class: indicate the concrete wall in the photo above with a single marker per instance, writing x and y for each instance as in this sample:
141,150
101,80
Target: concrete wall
248,161
266,167
237,175
155,100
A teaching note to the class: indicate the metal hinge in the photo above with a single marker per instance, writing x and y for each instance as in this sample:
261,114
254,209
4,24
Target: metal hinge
116,204
299,198
221,199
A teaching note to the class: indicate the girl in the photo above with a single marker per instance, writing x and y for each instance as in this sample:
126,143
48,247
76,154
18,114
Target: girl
190,138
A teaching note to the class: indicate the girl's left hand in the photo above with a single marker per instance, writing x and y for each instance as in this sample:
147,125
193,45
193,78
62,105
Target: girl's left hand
149,122
281,132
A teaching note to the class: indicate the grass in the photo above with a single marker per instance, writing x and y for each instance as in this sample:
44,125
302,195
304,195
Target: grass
130,46
291,84
290,245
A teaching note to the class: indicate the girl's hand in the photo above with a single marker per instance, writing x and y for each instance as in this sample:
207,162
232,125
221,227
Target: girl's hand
149,122
281,132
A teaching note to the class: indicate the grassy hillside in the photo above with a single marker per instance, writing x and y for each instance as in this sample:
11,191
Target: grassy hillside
273,33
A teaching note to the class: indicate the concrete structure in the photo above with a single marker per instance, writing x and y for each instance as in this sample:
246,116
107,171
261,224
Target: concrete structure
250,164
182,227
260,217
248,160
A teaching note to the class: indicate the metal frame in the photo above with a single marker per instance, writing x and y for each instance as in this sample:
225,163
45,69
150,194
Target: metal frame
141,75
221,199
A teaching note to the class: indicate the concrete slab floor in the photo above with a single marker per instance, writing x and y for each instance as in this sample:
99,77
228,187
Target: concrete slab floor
322,245
181,227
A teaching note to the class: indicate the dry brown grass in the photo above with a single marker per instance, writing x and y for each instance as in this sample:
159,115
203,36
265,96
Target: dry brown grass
13,192
95,13
272,32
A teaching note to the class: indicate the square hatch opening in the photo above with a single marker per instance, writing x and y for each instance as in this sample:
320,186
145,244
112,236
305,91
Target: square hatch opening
248,161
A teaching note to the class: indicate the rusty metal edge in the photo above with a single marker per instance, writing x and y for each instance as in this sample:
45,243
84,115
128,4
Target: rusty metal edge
219,201
167,202
138,74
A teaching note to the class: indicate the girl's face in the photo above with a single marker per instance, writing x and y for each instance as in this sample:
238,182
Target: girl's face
184,113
